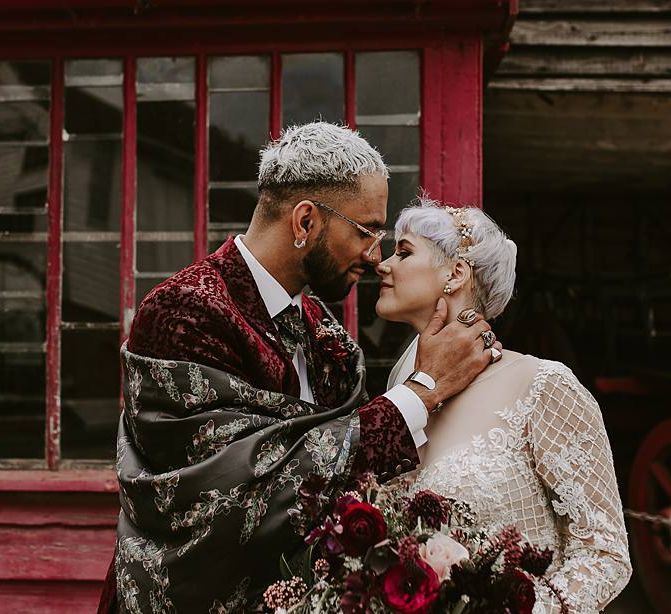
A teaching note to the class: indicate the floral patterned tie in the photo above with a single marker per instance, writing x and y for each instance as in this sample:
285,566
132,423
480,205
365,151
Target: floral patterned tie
293,332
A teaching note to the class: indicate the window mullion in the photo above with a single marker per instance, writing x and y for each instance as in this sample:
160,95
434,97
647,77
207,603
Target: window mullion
275,95
201,172
351,302
55,268
128,197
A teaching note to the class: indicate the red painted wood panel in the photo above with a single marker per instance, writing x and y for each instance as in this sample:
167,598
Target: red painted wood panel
452,121
28,509
49,597
84,480
55,553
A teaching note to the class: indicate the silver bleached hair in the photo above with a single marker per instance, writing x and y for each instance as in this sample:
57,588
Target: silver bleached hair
493,253
318,154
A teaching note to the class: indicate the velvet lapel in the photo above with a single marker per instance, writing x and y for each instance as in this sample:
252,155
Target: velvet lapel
245,294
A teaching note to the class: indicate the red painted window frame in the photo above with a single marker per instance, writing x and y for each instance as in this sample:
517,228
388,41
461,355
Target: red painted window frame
450,159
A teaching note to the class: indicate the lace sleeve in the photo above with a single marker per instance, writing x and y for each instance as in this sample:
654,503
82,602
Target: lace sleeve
573,459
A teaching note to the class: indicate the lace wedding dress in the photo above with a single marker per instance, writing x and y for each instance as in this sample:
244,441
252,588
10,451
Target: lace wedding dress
525,444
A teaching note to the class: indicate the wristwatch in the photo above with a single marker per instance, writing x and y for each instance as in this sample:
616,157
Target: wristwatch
423,378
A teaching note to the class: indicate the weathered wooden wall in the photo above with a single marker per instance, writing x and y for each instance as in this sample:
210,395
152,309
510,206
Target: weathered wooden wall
583,98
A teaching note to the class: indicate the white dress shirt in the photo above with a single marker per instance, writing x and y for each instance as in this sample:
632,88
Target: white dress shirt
276,299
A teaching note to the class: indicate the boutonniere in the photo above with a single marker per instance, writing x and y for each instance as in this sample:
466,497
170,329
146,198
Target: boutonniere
334,339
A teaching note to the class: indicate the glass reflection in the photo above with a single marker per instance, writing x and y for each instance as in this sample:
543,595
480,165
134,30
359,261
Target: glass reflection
238,129
387,82
232,207
312,88
90,405
90,282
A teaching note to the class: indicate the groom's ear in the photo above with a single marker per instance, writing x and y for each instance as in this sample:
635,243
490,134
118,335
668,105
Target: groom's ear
303,219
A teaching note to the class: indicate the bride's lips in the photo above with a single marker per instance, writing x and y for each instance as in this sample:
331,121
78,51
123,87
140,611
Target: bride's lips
385,286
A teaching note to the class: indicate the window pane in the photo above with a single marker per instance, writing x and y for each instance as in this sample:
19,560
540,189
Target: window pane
23,188
93,110
238,129
240,72
24,121
90,396
233,207
387,82
22,285
164,256
29,72
93,71
403,188
165,70
90,282
93,97
165,147
92,191
24,118
397,144
22,404
312,88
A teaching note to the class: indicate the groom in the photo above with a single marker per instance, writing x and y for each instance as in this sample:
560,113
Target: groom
239,387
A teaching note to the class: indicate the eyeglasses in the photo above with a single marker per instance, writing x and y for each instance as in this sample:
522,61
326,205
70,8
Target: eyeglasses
377,236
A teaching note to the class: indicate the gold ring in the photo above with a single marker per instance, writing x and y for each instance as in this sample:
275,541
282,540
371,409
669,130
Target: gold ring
467,316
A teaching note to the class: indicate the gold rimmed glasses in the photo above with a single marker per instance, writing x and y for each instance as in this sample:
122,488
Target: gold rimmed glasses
377,236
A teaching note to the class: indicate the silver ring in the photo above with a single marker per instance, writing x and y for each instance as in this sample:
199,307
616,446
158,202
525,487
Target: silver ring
496,356
489,338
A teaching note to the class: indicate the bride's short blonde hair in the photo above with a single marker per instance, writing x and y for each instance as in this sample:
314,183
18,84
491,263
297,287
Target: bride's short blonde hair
492,252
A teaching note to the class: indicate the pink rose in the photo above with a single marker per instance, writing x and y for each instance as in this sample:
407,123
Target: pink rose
441,552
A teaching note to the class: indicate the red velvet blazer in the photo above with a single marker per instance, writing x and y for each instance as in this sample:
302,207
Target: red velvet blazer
212,313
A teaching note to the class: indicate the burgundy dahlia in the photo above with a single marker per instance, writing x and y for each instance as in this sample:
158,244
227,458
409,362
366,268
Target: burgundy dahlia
431,507
408,550
534,560
356,597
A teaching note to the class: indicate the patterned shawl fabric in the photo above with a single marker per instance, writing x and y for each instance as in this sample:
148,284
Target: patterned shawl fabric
214,441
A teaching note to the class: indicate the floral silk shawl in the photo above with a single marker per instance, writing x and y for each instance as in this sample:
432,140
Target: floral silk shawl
209,467
214,441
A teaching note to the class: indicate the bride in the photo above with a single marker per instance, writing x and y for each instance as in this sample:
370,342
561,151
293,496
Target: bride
525,443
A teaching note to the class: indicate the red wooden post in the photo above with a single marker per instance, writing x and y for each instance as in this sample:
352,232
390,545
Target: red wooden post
451,164
275,95
55,267
128,197
351,303
201,172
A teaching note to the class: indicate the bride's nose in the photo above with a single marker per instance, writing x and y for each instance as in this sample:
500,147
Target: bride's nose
383,268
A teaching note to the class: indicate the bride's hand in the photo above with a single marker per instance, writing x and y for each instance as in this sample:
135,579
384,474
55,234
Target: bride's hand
452,355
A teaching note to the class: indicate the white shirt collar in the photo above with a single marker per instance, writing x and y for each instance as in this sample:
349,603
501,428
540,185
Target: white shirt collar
274,296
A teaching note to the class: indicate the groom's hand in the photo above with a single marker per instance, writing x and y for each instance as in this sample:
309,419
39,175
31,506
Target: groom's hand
452,355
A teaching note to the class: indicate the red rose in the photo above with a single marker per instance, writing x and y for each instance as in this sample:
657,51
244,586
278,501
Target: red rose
411,591
522,593
363,526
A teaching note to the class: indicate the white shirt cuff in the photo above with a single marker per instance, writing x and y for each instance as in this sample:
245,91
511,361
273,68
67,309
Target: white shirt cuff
412,409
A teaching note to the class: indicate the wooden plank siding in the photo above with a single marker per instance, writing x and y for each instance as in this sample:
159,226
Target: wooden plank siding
584,45
581,101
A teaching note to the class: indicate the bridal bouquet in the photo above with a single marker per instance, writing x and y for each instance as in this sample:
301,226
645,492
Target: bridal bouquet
385,550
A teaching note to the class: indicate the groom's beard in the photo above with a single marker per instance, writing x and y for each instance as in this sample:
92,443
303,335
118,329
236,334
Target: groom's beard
324,279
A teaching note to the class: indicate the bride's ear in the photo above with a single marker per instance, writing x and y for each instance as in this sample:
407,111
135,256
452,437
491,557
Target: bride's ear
460,275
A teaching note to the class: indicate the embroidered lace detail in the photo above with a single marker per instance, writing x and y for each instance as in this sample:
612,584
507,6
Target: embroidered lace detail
550,472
